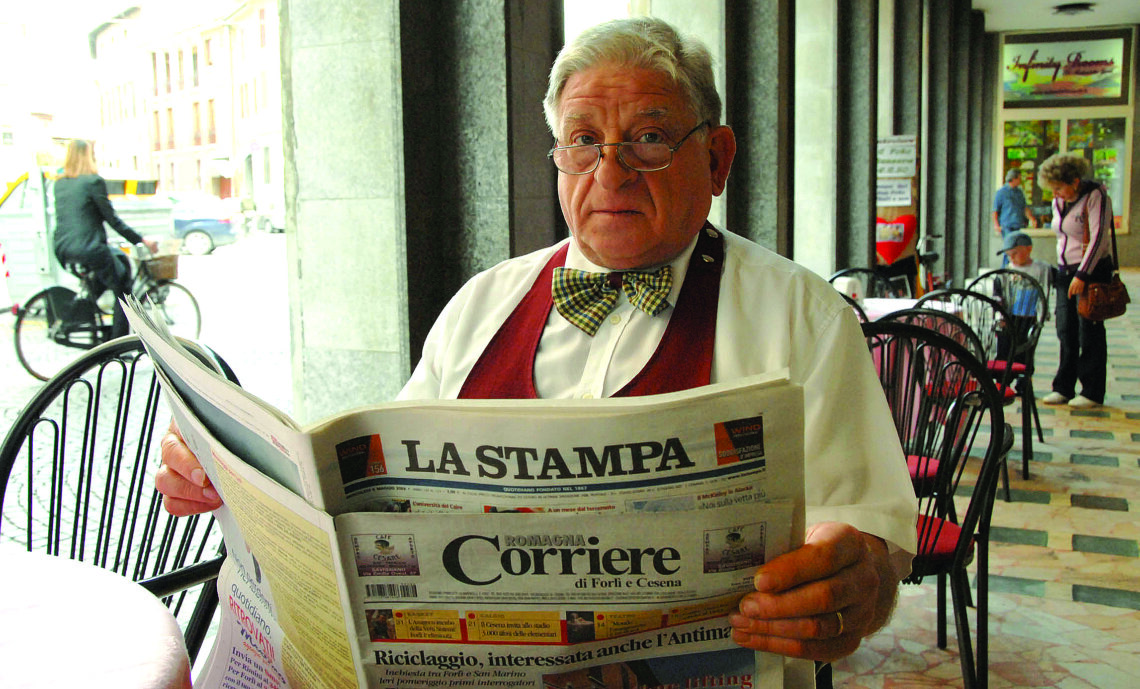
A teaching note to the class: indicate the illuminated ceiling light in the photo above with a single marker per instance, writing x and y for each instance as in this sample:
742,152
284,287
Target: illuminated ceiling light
1073,8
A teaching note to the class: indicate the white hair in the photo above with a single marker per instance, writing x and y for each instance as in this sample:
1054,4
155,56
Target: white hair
644,42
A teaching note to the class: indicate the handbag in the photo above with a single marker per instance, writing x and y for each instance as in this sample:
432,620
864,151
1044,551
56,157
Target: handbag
1103,300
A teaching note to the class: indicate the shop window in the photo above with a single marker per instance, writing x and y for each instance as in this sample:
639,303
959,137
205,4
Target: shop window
1102,141
1027,143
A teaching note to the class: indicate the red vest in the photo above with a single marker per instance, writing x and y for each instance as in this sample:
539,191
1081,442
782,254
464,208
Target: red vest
683,359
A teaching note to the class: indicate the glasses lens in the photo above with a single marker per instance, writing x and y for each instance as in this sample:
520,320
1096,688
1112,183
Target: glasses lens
646,156
575,159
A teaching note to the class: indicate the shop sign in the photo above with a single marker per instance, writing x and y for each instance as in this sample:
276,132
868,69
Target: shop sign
896,156
1066,68
893,193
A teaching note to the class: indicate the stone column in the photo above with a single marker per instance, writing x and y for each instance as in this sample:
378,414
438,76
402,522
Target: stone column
760,56
344,199
856,95
815,135
479,186
415,157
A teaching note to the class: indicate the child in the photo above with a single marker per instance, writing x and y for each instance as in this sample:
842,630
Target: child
1018,247
1017,294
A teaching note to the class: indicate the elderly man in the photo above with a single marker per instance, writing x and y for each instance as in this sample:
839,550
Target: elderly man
647,297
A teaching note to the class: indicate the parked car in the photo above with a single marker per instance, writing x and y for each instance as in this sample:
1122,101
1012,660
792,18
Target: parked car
203,222
272,219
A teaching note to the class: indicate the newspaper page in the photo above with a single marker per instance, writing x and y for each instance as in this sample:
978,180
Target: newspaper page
559,600
720,467
251,428
282,601
720,444
292,606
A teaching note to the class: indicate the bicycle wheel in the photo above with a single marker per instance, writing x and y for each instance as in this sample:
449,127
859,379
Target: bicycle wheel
176,307
45,341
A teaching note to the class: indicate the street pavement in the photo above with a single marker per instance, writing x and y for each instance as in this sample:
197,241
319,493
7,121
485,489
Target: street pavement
243,291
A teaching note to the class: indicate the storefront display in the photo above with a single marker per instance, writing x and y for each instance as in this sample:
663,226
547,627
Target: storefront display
1027,144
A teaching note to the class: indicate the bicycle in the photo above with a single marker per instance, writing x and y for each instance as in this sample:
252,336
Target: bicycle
56,321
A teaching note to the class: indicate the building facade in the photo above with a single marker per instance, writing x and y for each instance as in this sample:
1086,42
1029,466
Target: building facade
194,101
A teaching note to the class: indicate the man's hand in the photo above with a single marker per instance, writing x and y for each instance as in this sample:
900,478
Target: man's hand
819,601
181,480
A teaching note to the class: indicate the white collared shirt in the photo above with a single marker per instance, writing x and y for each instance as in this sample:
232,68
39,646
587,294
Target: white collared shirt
570,363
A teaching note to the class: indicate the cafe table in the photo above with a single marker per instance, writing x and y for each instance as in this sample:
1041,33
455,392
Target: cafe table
70,623
877,307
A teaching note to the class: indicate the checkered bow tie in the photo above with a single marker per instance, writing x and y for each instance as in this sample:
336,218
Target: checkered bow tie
585,299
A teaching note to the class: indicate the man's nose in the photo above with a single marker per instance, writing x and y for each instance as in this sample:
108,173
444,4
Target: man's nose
611,173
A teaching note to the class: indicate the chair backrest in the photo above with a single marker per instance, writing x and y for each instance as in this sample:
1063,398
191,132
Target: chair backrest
874,284
942,400
989,320
942,322
1023,296
77,480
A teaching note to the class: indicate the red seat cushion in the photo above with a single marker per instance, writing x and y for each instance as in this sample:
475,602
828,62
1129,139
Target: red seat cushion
946,389
923,471
999,367
951,388
921,467
937,538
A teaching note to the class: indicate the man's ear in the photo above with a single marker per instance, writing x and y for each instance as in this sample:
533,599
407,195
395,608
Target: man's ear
722,149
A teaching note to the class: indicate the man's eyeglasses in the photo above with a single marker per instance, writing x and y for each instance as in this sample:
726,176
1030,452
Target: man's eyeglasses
582,159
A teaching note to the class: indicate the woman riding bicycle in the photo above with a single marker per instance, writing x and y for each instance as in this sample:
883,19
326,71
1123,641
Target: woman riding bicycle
81,208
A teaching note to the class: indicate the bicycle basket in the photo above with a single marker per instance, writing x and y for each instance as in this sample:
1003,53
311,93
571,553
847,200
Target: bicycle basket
163,267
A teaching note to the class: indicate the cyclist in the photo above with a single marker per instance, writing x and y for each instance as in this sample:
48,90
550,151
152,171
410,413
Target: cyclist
81,208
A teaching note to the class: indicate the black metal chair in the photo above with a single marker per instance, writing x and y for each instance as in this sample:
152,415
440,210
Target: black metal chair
943,400
77,481
996,330
1027,302
941,322
945,323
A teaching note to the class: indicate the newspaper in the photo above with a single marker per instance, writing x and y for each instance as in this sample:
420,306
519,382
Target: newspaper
492,543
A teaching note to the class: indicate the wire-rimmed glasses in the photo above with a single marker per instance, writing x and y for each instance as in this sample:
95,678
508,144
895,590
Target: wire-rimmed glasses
582,159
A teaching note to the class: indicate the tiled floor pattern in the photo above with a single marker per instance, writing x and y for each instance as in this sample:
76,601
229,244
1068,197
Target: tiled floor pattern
1064,556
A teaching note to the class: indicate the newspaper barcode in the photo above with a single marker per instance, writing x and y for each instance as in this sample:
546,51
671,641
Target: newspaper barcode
391,590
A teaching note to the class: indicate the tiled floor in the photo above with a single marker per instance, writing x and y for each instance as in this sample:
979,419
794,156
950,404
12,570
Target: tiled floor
1064,565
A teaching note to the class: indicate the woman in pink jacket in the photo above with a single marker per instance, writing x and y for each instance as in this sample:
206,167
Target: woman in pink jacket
1082,219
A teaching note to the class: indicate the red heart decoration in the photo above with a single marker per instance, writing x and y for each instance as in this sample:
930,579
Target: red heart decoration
892,237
